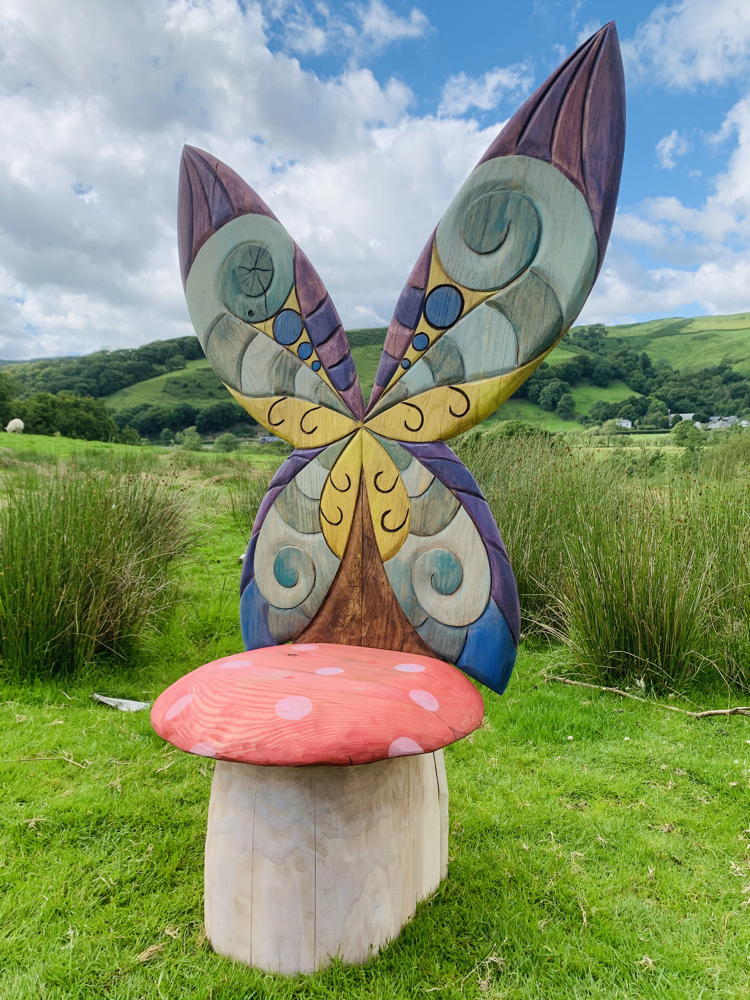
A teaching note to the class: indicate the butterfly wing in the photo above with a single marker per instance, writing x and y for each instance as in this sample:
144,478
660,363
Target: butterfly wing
263,317
451,574
499,282
271,333
289,566
512,261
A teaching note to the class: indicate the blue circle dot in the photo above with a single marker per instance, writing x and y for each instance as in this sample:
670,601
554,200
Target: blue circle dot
304,350
406,363
443,306
315,366
287,327
420,342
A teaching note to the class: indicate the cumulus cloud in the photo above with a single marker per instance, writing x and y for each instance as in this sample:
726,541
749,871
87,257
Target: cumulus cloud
359,29
692,43
93,119
462,92
706,248
670,148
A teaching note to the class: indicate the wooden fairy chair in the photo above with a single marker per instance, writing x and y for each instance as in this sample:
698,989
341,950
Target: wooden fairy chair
374,563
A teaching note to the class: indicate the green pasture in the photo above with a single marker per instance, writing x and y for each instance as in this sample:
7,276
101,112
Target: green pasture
698,342
196,384
599,846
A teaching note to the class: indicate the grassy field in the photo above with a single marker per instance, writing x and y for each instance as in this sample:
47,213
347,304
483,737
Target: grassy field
195,384
692,343
599,847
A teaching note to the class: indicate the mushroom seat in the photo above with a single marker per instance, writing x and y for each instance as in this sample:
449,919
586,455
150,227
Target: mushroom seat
318,703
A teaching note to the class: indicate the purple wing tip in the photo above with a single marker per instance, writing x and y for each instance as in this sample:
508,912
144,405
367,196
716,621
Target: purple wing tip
210,195
576,121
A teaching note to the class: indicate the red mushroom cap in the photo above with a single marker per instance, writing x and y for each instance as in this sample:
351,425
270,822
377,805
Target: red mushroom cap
318,704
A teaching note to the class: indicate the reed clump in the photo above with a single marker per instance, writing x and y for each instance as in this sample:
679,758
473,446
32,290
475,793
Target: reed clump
647,582
87,563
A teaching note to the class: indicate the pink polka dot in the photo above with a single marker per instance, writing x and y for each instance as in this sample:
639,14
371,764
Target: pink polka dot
402,746
179,706
409,668
329,671
203,750
425,700
294,707
236,664
305,647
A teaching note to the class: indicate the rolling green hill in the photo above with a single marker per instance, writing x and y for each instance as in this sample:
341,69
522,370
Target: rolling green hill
195,383
688,344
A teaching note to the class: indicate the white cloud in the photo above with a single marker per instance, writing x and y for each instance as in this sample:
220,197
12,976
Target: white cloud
356,29
670,148
692,43
93,116
462,92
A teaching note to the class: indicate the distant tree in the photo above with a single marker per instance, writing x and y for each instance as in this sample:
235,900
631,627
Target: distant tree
7,393
216,417
129,435
601,411
552,392
602,373
566,407
226,442
166,436
189,439
69,415
686,433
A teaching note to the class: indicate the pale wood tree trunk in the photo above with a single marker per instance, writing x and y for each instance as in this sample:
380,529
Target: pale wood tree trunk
307,863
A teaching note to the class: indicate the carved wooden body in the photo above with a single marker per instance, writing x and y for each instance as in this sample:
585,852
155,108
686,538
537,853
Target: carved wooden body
373,533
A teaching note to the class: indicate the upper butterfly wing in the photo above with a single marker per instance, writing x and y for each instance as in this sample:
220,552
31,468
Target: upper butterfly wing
513,259
263,317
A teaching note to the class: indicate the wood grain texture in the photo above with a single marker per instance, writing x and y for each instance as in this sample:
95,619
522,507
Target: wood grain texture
445,411
298,421
576,121
361,608
338,500
304,864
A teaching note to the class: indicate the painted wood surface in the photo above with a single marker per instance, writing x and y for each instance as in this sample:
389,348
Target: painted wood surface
304,864
381,549
310,703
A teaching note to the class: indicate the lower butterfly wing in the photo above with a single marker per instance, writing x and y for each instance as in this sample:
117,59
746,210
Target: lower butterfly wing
451,574
289,567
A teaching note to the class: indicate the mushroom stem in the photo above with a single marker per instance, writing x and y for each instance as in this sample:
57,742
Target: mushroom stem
307,863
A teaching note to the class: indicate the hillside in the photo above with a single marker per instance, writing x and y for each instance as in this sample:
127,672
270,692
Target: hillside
688,344
166,375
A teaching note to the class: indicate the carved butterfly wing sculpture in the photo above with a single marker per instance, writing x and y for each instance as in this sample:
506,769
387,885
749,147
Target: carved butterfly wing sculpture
373,532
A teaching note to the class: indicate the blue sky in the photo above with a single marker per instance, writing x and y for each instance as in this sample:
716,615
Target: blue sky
357,122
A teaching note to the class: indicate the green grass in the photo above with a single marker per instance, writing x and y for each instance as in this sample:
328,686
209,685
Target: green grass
586,395
522,409
610,865
195,384
692,343
599,848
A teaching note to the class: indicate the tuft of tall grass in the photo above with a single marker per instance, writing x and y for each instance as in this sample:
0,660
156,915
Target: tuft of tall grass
539,487
245,496
639,602
643,583
86,563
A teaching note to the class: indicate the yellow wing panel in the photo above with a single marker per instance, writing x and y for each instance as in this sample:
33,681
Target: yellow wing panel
299,421
338,500
440,413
